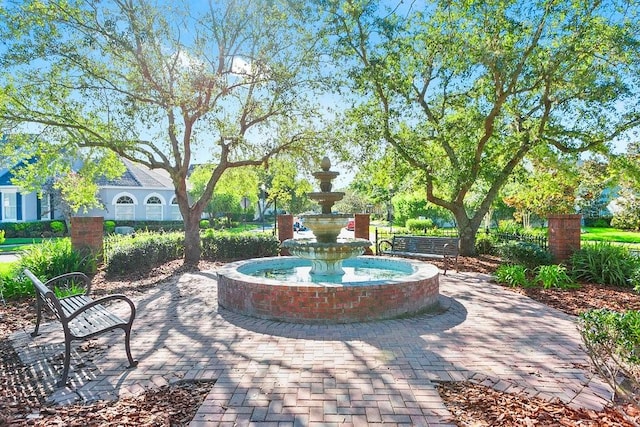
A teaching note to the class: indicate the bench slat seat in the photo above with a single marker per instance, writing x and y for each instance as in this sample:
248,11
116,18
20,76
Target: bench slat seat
81,317
445,248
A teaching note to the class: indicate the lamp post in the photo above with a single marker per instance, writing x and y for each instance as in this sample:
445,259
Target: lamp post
263,190
275,216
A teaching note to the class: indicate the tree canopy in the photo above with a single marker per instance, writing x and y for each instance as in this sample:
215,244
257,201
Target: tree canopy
462,91
158,83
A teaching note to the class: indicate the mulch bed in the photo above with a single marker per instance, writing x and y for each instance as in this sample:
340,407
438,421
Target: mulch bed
22,397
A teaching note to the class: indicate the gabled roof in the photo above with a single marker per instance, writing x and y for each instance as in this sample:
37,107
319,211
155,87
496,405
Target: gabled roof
137,175
6,175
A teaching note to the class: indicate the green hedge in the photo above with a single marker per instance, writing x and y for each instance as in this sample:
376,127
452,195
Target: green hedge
220,246
146,250
141,252
34,229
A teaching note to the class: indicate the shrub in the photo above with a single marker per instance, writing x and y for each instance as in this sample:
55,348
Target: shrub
612,341
58,227
142,252
509,226
49,259
419,225
512,275
599,222
605,264
528,254
2,239
486,244
55,257
220,246
205,223
109,226
554,276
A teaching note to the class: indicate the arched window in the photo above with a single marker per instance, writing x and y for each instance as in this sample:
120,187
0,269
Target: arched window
153,207
174,210
125,208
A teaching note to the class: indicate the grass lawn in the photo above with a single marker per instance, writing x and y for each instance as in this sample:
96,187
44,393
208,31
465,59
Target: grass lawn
17,244
595,234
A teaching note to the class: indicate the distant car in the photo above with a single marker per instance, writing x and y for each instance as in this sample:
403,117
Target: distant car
298,226
351,225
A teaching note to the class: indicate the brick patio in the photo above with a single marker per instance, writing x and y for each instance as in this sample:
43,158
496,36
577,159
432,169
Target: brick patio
275,373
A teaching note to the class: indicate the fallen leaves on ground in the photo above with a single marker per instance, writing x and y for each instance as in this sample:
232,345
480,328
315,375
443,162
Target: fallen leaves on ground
173,405
477,405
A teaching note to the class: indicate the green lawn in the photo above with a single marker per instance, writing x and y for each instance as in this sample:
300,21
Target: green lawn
595,234
17,244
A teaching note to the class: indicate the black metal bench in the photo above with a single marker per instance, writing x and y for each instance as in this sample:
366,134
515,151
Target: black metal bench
445,248
81,317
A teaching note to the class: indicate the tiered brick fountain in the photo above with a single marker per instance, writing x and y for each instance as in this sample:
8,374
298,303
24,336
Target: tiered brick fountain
315,287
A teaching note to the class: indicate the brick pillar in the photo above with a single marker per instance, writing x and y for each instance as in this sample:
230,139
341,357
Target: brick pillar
86,234
285,231
564,236
361,230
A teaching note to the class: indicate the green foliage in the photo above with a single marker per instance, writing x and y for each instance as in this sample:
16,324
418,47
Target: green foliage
1,237
58,227
512,275
600,222
628,215
409,206
109,226
55,257
419,225
33,229
142,252
221,246
604,263
65,291
205,223
612,341
486,244
509,226
527,254
554,276
46,260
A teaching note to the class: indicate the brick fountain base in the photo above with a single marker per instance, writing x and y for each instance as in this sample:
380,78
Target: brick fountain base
309,302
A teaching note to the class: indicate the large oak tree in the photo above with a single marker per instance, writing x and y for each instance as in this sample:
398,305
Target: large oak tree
156,82
464,90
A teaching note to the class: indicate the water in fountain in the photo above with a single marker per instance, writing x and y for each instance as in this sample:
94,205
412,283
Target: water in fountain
326,251
316,287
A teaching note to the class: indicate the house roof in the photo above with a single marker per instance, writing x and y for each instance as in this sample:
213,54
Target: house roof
137,175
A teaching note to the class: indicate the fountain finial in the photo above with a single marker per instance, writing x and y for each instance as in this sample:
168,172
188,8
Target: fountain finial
326,198
325,164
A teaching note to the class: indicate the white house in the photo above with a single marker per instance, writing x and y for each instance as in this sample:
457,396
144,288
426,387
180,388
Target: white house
140,194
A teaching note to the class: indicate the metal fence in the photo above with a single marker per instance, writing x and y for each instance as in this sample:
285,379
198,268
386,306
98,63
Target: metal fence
542,241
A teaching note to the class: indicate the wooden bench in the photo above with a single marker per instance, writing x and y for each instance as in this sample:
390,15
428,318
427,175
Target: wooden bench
445,248
81,317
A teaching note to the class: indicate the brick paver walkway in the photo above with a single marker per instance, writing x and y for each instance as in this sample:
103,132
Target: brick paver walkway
361,374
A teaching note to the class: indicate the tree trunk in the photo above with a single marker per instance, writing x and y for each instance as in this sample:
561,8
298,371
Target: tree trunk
467,230
192,250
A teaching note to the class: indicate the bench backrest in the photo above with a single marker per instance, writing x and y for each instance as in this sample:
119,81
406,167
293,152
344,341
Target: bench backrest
427,245
45,295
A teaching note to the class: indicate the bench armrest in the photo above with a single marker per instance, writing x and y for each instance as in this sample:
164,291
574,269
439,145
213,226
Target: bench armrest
385,245
100,301
65,279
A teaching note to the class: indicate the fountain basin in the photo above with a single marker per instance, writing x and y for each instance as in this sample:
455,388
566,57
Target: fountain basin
326,258
321,300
